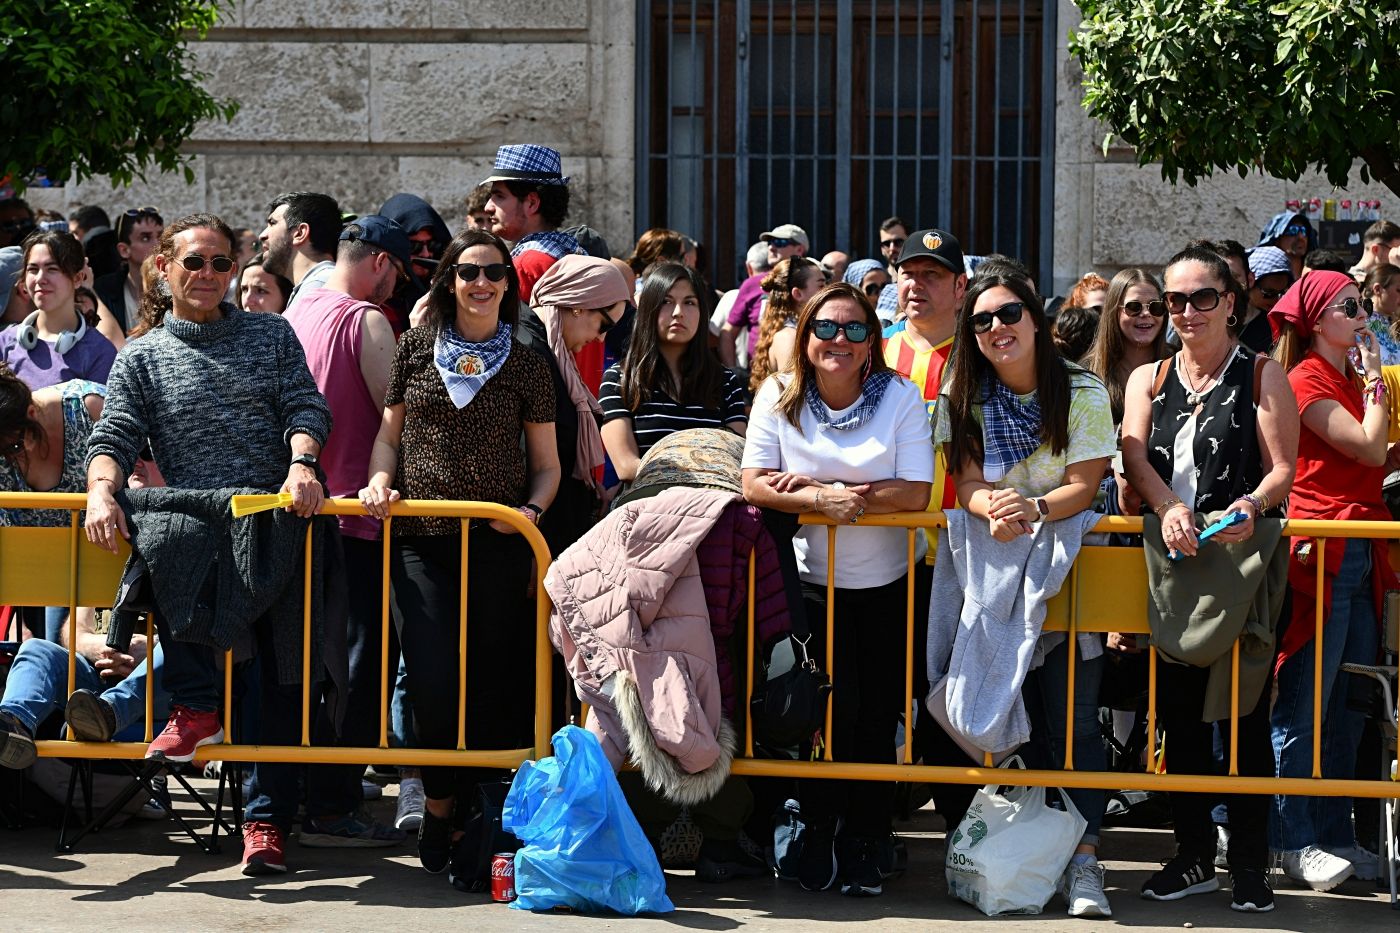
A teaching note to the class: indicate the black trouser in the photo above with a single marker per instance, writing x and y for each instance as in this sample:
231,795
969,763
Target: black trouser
1189,749
425,572
867,697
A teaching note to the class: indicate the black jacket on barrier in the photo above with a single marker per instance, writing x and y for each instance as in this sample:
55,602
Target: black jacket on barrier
213,577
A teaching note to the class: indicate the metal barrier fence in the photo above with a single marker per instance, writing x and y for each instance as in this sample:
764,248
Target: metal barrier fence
31,575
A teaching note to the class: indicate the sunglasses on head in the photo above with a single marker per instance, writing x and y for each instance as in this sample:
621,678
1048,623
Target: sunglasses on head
1202,299
469,271
133,214
1294,230
776,243
1009,313
194,262
1351,307
1156,308
855,331
895,243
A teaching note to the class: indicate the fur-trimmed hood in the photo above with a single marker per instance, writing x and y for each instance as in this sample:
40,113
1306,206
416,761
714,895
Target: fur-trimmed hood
631,620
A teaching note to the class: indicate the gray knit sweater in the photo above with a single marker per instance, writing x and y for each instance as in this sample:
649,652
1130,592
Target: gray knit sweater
219,401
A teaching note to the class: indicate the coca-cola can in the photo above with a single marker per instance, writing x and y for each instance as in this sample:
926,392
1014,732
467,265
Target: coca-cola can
503,877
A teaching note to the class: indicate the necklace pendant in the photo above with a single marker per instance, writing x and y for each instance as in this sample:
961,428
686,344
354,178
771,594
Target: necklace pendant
1193,399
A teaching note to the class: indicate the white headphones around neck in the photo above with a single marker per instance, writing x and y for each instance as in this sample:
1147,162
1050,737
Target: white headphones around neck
28,335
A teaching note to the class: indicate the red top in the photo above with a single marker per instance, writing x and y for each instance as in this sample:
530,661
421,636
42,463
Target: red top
1329,484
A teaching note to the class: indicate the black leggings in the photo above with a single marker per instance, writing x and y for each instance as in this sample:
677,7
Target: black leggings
425,572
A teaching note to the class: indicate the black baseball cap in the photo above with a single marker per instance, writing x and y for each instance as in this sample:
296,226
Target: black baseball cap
941,247
382,232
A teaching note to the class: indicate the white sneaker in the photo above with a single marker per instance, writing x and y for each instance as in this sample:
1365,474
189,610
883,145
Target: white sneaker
1222,847
1081,886
1316,869
409,815
1365,864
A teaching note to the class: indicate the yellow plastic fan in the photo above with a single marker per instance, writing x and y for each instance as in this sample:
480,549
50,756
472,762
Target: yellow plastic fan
249,505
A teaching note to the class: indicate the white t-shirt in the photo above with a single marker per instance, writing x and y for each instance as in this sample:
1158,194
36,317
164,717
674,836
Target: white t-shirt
895,443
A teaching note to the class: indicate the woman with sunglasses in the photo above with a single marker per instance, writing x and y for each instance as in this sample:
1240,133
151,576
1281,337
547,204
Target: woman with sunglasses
1323,340
1028,437
1197,440
462,392
669,381
54,344
1382,289
1132,333
788,285
839,433
868,275
575,303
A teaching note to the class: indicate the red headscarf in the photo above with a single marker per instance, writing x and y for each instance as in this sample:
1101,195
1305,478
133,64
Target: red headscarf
1305,299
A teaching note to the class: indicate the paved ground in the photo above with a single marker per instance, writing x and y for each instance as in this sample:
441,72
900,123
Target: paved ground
146,877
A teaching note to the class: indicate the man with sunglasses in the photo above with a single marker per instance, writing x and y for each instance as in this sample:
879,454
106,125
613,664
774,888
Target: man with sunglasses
16,221
138,231
894,233
349,346
1292,233
1271,273
427,236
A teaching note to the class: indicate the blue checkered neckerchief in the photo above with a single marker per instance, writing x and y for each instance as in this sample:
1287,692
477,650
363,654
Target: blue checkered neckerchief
554,242
465,366
1010,428
870,394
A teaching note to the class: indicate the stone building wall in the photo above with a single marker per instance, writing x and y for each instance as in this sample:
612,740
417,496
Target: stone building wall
363,98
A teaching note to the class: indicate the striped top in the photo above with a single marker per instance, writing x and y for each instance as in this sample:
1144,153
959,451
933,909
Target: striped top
924,368
660,415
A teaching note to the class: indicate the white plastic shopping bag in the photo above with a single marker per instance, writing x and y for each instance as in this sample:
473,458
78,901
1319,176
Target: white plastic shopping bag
1008,853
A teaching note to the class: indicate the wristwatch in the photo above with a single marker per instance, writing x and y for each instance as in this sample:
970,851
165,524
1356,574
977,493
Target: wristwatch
311,462
535,509
1042,511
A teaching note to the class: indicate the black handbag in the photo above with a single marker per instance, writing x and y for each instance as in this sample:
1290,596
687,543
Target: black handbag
470,868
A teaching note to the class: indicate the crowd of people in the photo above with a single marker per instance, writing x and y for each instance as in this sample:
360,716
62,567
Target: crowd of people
158,367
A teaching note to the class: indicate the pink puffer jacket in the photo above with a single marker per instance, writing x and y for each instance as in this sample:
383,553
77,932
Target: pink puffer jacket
630,618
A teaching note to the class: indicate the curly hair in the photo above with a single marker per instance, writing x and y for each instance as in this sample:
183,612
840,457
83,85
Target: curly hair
790,273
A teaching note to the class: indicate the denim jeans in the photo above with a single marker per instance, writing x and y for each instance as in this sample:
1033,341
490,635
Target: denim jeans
1349,635
37,688
1044,694
401,710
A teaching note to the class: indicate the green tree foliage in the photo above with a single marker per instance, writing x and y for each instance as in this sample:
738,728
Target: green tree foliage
101,87
1217,85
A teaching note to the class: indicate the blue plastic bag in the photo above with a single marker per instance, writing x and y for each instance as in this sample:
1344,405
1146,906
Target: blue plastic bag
583,847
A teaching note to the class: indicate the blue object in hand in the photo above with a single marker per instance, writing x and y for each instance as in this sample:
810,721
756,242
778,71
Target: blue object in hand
1229,520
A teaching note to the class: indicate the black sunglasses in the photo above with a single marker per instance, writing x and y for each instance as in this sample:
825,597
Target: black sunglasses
469,271
608,323
874,288
1157,308
855,331
1009,313
1202,299
1271,292
132,214
194,262
1351,307
896,243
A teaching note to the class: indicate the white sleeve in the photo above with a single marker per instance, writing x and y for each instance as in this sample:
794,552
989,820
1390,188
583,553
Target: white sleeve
913,436
762,441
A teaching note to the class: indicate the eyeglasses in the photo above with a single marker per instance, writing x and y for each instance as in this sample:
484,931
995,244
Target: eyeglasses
874,289
469,271
896,243
1295,230
194,262
1009,313
1271,292
1202,299
400,274
855,331
776,243
1351,307
1156,308
608,323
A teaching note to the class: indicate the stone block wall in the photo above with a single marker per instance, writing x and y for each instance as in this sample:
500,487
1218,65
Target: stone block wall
362,99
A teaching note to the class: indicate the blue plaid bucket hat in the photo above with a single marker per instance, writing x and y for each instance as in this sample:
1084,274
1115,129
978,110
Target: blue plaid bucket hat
528,162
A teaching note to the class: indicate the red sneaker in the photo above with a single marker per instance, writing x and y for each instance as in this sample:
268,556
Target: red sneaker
262,849
184,732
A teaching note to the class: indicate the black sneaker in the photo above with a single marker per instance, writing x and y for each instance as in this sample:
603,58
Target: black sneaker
90,718
816,866
1183,876
17,749
860,868
1252,893
724,861
434,842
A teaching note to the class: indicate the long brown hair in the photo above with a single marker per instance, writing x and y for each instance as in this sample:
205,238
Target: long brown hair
442,298
794,396
778,283
15,423
645,371
1106,355
970,369
156,302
